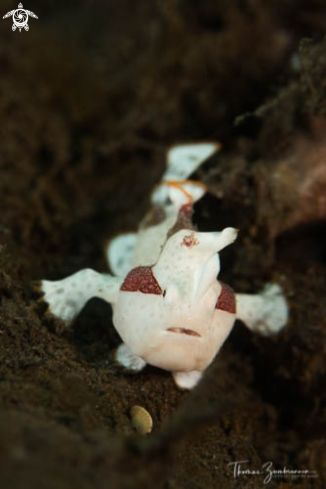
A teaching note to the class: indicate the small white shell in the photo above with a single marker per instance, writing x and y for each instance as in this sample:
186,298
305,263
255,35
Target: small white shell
141,420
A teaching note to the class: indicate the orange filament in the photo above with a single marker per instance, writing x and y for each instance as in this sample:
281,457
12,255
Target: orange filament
178,185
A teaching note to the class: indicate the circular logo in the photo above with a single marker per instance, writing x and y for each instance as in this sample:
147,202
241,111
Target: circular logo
20,18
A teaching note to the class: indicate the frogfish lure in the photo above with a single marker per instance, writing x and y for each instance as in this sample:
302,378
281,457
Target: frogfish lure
169,308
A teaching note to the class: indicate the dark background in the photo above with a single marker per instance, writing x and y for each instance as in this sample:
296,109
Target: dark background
90,99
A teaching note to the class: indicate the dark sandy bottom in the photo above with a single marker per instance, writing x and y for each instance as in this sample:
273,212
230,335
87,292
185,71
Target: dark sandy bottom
90,98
